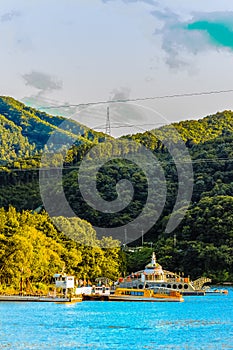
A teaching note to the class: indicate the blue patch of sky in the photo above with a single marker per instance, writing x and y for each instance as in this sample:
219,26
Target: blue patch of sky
219,34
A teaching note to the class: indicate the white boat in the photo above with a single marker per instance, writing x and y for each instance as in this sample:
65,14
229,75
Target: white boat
62,282
214,291
155,276
94,292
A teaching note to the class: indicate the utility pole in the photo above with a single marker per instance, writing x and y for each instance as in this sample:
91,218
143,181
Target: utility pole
174,240
142,237
108,125
125,236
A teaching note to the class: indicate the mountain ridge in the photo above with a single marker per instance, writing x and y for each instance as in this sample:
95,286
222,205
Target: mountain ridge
34,129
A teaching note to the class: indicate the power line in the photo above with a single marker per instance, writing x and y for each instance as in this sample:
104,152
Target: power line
196,161
102,127
191,94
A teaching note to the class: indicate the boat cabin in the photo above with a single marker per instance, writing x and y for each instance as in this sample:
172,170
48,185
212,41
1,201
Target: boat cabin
94,290
63,281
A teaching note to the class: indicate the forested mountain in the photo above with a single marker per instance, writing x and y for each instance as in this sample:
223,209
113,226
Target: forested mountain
25,131
203,241
13,143
192,132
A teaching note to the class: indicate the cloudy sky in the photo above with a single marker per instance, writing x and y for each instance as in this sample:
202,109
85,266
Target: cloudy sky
77,51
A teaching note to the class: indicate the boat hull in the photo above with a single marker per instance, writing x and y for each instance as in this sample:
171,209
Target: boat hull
149,299
23,298
193,293
95,297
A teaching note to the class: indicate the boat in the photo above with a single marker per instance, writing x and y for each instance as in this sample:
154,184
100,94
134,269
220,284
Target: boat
36,298
62,282
148,295
155,276
66,284
94,292
214,291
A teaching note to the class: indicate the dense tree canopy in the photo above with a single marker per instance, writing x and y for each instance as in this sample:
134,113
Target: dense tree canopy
203,240
33,248
25,132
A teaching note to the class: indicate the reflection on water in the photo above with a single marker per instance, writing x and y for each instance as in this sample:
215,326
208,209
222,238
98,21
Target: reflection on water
198,323
188,323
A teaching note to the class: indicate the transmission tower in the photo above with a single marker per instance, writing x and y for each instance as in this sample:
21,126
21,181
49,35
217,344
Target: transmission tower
108,125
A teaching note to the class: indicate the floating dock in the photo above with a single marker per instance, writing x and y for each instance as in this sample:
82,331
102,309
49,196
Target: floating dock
30,298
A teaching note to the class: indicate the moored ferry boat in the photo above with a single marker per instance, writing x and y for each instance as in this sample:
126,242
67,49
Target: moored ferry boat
62,282
149,295
155,276
94,292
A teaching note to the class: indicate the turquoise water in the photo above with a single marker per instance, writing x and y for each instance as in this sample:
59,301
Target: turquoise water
197,323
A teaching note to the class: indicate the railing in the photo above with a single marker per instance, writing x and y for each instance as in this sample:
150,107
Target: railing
198,283
153,278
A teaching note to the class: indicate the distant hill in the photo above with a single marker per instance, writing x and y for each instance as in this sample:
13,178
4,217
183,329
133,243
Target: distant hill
25,130
192,132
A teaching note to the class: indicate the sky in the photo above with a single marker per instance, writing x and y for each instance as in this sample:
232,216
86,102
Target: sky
79,51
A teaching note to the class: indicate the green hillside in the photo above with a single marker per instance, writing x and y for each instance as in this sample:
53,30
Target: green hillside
25,131
209,142
13,144
192,132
